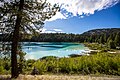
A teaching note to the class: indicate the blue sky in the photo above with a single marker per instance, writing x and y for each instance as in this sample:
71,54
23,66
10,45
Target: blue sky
78,21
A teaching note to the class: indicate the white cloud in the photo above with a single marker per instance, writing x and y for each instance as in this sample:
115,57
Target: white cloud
82,7
81,16
77,7
57,16
44,30
57,30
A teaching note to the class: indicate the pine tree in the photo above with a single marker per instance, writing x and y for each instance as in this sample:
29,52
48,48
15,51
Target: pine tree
105,38
117,39
111,44
101,39
23,16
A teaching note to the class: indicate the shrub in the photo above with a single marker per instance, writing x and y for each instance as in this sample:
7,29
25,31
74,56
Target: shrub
102,63
41,66
1,70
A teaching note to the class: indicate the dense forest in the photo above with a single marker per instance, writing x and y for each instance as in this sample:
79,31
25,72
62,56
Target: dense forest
104,36
97,35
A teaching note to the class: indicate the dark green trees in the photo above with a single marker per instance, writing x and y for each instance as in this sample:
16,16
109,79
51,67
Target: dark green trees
114,40
111,44
101,40
117,39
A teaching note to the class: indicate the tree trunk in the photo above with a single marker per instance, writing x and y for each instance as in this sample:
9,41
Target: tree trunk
15,40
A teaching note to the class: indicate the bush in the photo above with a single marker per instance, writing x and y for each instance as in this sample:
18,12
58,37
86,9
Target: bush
41,66
1,70
100,63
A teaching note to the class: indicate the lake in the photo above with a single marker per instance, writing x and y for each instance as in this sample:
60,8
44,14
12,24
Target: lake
36,50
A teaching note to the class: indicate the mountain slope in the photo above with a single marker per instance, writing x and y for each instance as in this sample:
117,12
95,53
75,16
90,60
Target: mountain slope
107,31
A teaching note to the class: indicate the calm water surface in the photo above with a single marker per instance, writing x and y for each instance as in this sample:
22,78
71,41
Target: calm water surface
36,50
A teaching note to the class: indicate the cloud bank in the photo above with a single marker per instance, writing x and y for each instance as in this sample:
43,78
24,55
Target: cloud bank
70,8
44,30
58,15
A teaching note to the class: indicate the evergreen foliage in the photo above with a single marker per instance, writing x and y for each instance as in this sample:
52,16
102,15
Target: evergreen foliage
111,44
117,39
23,16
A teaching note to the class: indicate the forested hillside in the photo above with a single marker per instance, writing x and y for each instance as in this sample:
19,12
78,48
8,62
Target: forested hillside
107,31
110,36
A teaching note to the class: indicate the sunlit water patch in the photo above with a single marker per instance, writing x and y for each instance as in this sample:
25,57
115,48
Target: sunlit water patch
36,50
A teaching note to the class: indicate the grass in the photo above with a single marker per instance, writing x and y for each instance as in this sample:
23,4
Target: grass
101,47
100,63
60,77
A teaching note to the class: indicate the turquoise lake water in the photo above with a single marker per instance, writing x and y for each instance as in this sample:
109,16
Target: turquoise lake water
36,50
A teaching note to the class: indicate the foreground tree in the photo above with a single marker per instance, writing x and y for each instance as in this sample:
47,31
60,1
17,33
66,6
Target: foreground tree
18,16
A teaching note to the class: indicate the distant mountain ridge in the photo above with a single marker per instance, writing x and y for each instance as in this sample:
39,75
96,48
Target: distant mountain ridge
101,31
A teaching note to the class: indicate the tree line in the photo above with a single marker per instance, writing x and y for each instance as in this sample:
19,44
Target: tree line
112,39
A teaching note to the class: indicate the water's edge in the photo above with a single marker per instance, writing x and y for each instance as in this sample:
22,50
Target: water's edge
36,50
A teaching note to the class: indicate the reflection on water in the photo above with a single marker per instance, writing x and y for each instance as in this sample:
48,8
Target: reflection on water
36,50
